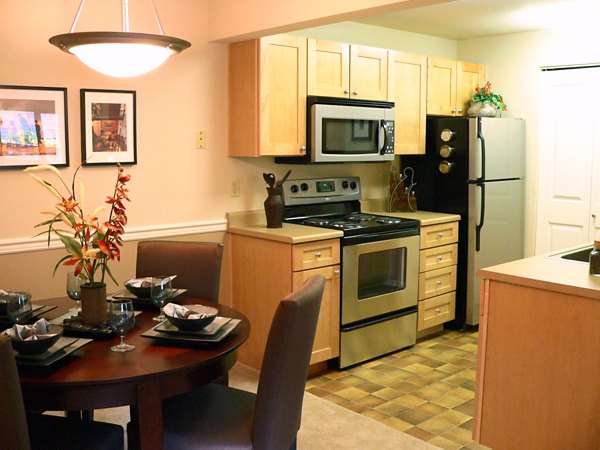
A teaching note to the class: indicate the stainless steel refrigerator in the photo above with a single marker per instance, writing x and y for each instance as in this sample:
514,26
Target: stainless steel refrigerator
474,167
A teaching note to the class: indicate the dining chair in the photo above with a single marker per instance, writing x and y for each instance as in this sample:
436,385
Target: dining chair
22,430
196,264
219,417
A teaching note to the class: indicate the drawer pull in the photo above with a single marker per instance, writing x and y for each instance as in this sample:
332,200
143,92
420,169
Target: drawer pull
438,283
336,272
439,257
440,234
317,254
438,310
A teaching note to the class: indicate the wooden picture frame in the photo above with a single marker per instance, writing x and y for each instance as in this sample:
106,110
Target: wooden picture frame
108,127
33,126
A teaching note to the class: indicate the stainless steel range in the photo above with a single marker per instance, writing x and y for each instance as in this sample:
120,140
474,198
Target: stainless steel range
380,265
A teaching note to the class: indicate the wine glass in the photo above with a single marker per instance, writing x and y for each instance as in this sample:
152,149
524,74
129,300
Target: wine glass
74,289
121,320
18,306
160,292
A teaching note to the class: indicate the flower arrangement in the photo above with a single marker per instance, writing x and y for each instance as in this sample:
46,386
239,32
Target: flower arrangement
485,95
90,243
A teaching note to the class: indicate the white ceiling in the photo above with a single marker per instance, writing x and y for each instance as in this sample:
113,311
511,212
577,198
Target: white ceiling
466,19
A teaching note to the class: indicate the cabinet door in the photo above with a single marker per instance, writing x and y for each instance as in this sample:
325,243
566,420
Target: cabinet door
407,88
328,68
282,108
368,72
327,338
468,76
441,86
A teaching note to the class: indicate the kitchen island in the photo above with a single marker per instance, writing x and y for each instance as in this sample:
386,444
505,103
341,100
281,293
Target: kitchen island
538,372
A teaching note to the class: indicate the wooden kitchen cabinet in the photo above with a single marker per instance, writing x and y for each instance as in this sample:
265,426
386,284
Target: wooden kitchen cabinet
407,88
451,84
265,271
437,274
336,69
267,96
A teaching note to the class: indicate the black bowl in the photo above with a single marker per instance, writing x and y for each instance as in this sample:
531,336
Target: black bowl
140,292
38,345
195,324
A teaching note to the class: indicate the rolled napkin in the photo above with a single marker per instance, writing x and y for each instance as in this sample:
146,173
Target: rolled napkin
144,282
181,312
30,332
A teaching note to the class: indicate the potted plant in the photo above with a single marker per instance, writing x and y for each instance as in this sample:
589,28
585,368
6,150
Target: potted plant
485,102
90,243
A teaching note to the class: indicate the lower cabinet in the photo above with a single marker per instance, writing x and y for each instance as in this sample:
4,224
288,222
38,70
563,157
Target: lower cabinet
265,271
437,274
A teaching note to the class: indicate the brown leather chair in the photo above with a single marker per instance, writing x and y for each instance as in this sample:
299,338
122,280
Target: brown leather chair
196,264
219,417
21,430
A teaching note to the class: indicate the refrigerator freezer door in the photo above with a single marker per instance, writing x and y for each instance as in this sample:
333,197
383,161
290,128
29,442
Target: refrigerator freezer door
504,149
501,234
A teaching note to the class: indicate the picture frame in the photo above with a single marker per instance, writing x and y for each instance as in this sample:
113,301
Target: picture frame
33,126
108,127
361,130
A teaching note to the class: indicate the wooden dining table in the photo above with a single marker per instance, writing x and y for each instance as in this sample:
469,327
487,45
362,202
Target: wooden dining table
94,377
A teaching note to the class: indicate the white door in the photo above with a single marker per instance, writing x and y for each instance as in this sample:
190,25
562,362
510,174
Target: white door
569,159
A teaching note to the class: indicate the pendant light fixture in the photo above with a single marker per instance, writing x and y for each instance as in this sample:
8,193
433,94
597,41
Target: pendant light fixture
120,54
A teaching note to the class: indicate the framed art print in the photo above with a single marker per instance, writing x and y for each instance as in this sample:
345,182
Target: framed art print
108,127
33,126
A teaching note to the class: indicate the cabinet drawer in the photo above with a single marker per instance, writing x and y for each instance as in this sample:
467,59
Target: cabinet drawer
436,282
438,257
441,234
315,254
436,310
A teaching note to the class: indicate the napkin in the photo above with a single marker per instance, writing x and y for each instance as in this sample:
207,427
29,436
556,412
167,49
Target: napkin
30,332
144,282
181,312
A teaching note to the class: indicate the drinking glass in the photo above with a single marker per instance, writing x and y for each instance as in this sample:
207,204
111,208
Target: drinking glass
160,292
74,289
121,319
18,306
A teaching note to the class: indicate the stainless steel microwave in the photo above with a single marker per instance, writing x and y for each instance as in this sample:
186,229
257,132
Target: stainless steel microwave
347,130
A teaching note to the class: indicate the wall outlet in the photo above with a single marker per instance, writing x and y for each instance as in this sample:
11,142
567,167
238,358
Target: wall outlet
235,188
200,140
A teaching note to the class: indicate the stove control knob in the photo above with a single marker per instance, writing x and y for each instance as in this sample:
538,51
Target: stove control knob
353,185
294,188
304,187
447,135
345,184
445,167
446,151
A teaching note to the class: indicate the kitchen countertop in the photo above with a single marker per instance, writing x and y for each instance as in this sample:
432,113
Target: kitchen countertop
254,223
547,273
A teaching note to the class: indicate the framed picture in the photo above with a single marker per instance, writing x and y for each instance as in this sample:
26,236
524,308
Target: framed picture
361,130
108,127
33,126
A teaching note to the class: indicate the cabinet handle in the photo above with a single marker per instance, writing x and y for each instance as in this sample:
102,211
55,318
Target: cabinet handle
336,272
438,310
303,148
355,93
440,257
453,111
317,254
460,111
346,91
593,216
438,283
440,234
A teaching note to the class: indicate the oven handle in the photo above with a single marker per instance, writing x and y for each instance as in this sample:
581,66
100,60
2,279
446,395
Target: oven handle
382,236
379,319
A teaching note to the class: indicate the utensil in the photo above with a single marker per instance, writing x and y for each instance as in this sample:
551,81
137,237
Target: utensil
269,178
121,319
285,177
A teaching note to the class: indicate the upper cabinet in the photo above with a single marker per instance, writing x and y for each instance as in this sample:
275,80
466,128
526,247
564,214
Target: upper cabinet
407,88
336,69
450,85
267,96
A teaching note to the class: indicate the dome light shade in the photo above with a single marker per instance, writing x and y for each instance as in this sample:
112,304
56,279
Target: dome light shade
120,54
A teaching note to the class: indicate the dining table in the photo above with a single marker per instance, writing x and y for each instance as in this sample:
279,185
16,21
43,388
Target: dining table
94,377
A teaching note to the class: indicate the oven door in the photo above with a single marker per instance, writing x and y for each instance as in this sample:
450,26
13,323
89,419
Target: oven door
379,277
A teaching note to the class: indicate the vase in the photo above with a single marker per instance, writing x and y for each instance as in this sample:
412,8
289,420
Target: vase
274,206
481,109
94,309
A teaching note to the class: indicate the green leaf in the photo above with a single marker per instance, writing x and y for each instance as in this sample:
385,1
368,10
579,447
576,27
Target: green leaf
72,245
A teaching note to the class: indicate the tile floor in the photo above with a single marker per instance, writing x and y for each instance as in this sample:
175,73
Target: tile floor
426,390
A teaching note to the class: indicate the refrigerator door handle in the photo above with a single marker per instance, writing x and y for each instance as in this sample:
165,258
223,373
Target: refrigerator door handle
482,139
479,226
